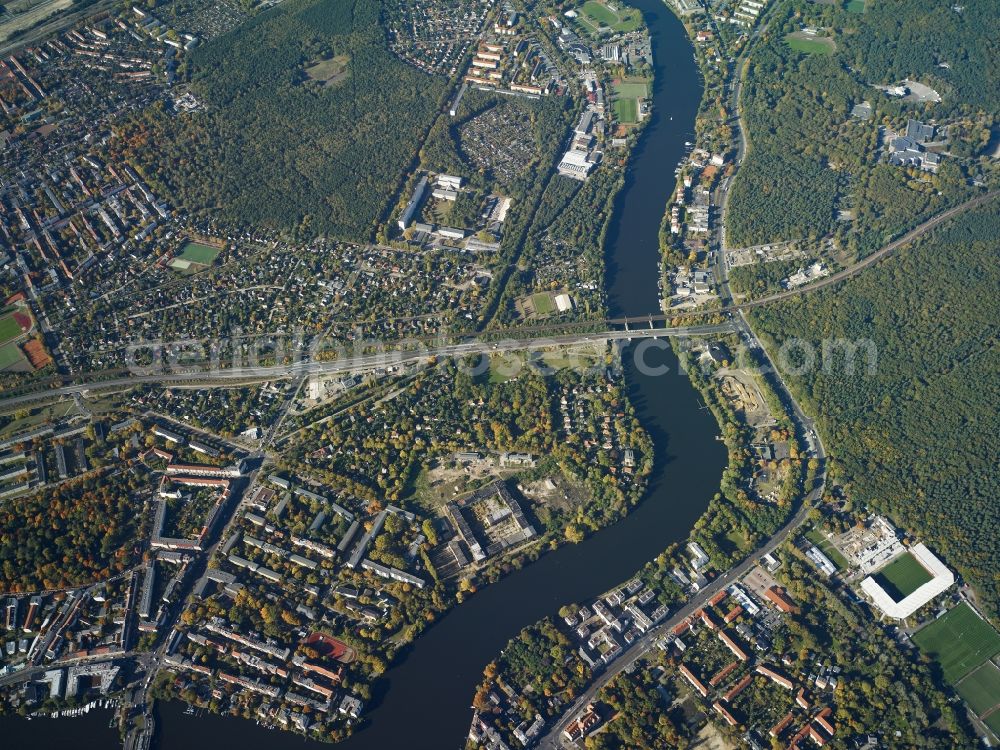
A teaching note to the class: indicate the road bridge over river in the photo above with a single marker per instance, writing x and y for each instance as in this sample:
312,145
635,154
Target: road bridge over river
194,375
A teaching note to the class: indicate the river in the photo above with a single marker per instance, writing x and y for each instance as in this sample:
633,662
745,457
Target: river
424,701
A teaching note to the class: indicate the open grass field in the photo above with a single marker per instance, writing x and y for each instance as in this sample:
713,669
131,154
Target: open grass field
632,89
810,45
627,111
10,354
959,641
329,72
615,16
195,252
981,689
855,6
10,328
902,576
993,722
543,303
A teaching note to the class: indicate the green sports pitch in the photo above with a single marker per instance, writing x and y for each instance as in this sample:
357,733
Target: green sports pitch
9,328
981,689
902,576
959,641
627,111
632,89
993,722
195,252
543,303
810,45
10,354
618,17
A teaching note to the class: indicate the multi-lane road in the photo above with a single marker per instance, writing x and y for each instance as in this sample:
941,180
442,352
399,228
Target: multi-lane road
196,376
615,328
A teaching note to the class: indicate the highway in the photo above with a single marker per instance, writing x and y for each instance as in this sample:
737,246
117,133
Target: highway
192,375
57,22
615,328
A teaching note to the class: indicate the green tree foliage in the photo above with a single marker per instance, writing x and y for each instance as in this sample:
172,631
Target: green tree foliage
808,157
641,721
271,149
69,535
914,436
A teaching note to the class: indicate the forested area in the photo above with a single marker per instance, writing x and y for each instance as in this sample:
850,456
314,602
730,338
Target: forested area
269,149
640,721
543,657
914,436
809,158
69,535
565,245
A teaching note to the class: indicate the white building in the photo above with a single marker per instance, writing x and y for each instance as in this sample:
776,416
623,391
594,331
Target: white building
941,581
575,164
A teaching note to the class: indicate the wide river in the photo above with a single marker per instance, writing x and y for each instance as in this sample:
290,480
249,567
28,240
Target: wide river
424,702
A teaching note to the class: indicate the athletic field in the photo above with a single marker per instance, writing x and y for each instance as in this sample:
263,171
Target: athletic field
810,45
618,17
902,576
10,354
981,688
195,252
543,303
9,328
632,89
627,111
959,641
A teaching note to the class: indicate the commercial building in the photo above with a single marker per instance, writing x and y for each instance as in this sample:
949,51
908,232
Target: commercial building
575,164
500,522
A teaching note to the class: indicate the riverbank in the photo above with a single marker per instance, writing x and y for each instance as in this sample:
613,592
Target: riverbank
425,694
424,697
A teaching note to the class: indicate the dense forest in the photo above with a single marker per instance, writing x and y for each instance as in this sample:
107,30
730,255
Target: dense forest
273,147
913,434
69,535
809,158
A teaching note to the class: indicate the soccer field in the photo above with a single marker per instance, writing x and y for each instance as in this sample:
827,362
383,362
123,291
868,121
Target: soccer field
627,111
981,689
902,576
810,45
993,722
9,328
10,354
959,641
623,19
543,303
195,252
632,90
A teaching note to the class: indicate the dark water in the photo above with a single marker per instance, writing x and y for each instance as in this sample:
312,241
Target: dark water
88,732
424,702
